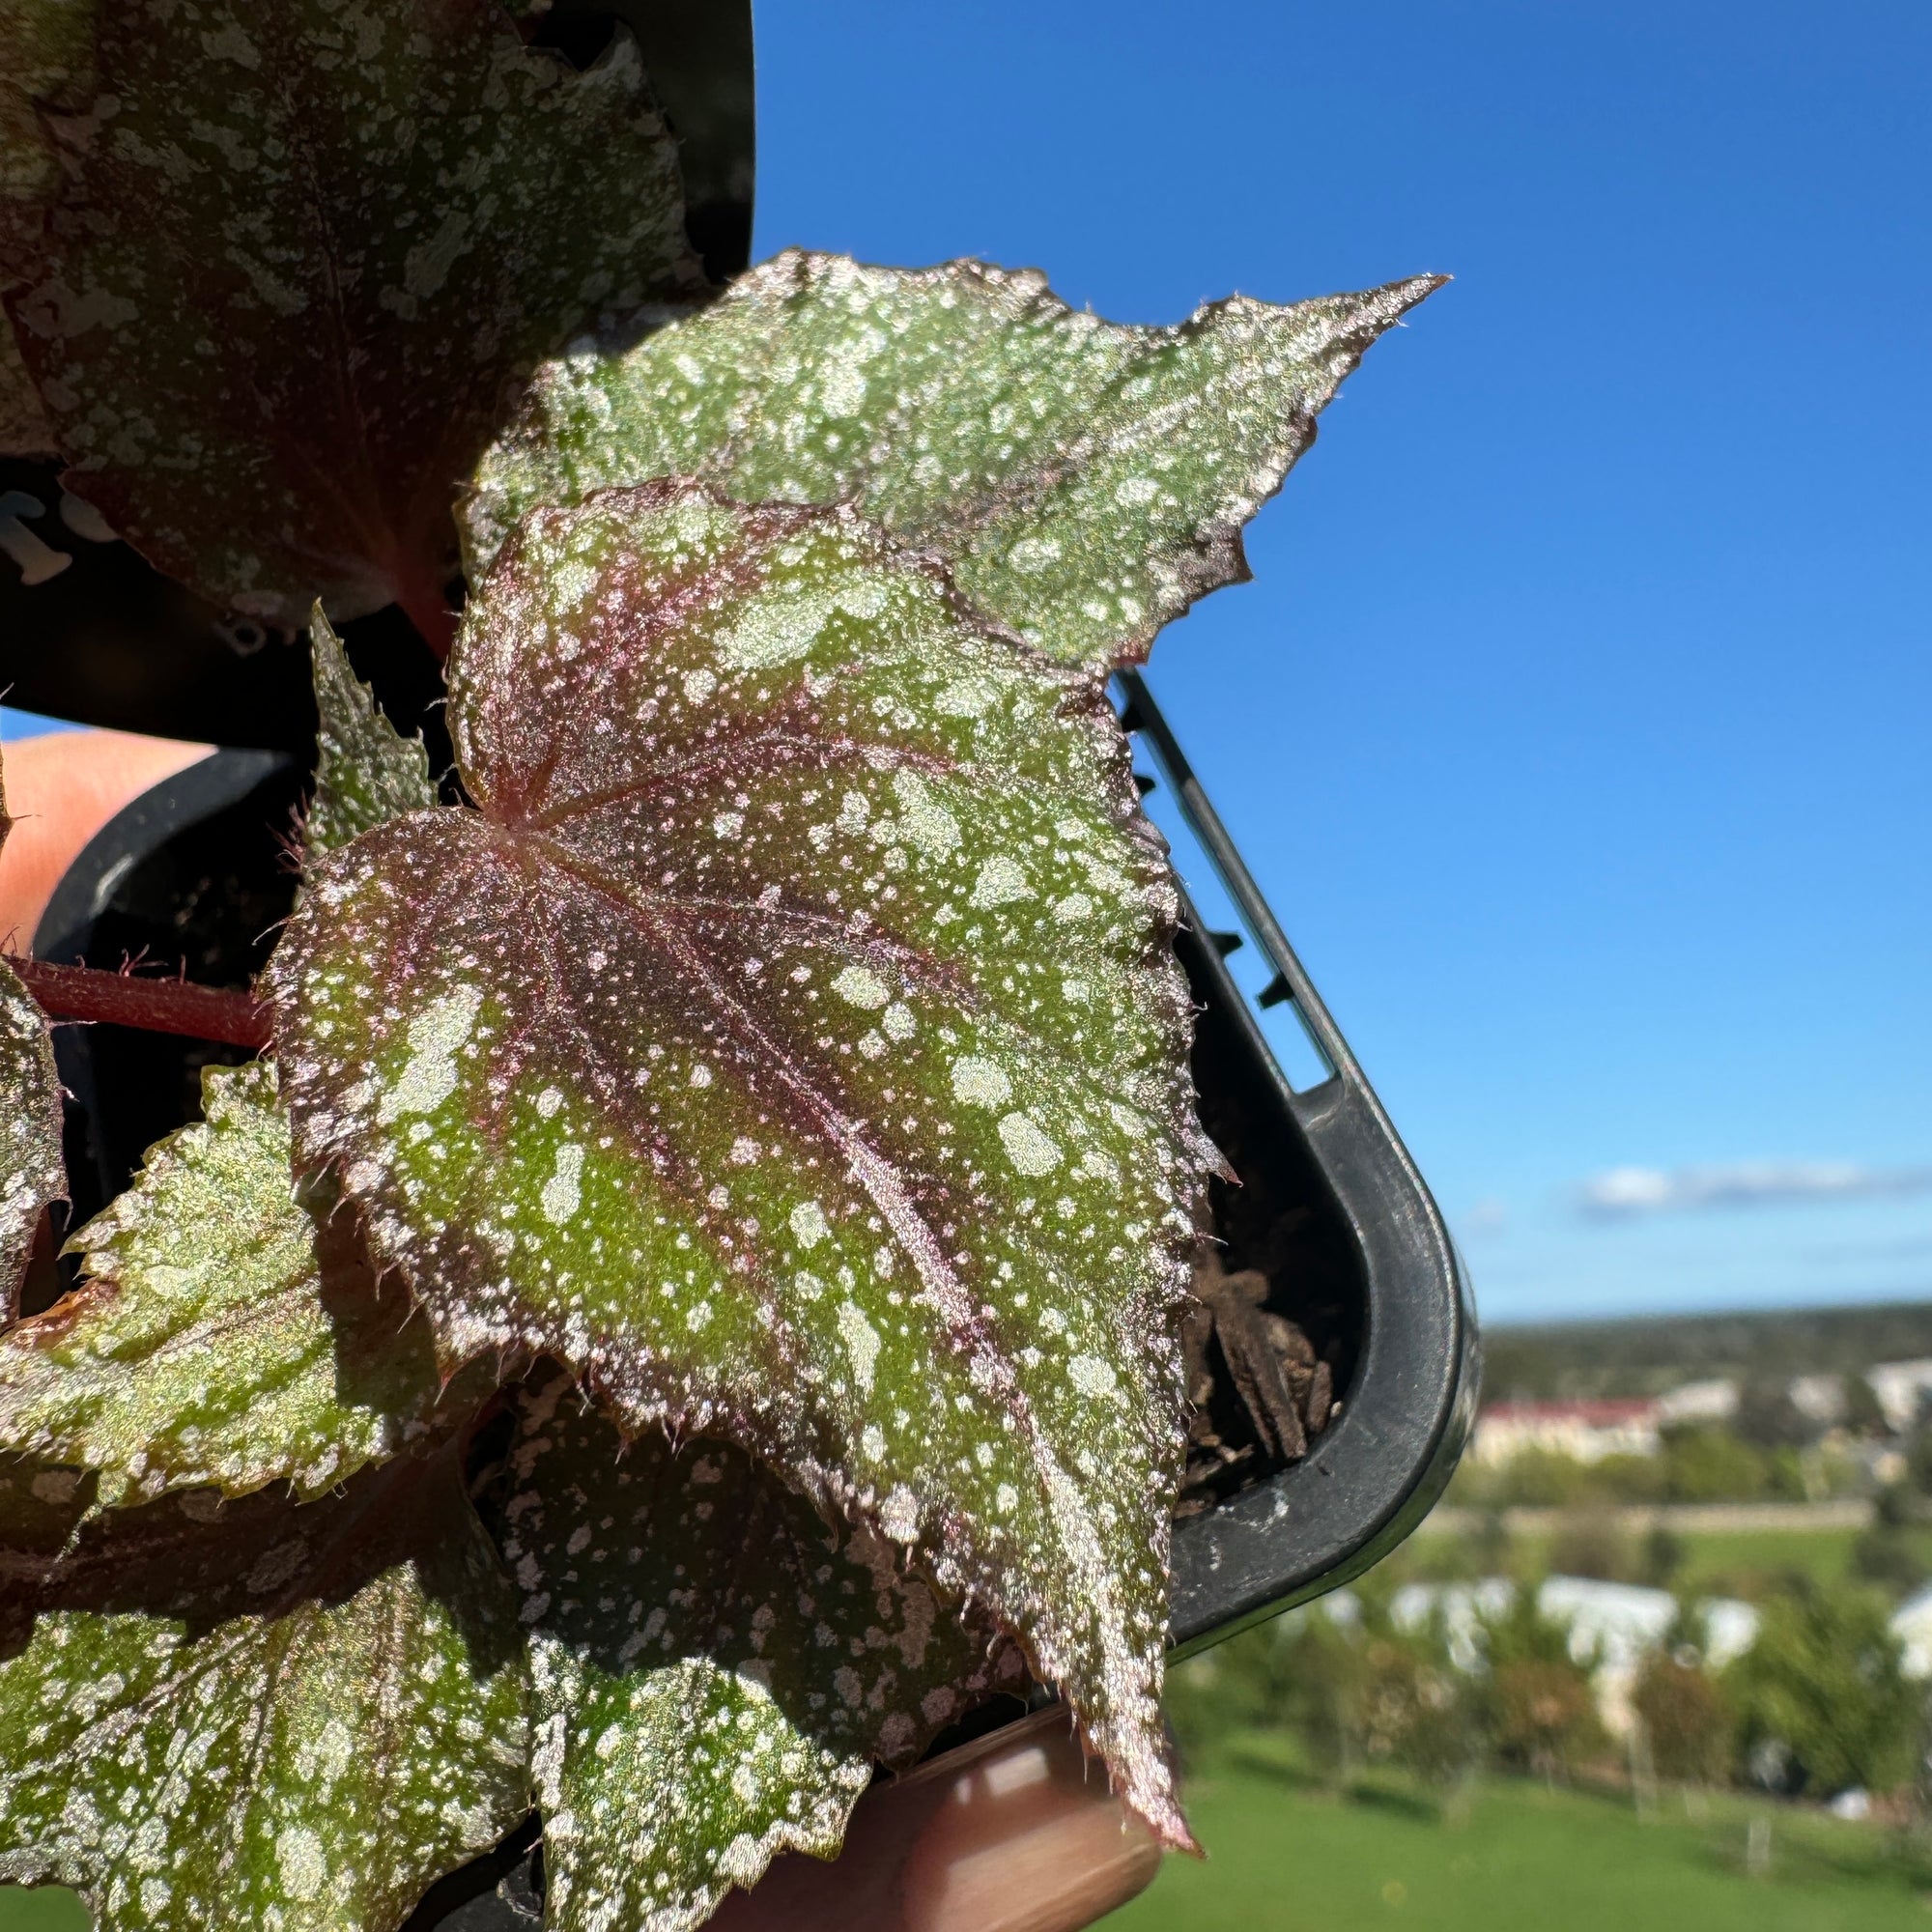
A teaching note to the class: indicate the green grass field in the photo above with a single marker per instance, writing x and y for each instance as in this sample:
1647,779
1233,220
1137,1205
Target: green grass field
1285,1857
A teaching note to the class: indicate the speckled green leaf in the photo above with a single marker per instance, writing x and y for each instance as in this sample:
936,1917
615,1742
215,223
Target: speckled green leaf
264,1714
366,772
230,1334
49,48
714,1670
304,246
32,1173
792,1043
24,428
1086,482
45,46
32,1170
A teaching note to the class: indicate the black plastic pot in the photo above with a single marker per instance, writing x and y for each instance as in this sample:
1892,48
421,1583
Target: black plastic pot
1412,1360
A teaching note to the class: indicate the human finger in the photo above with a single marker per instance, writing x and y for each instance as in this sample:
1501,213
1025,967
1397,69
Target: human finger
62,787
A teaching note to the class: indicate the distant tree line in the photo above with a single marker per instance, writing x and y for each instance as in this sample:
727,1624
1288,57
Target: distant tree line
1648,1355
1817,1706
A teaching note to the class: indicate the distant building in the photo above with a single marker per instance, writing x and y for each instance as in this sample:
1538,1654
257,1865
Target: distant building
1819,1398
1586,1430
1901,1387
1613,1627
1693,1402
1912,1626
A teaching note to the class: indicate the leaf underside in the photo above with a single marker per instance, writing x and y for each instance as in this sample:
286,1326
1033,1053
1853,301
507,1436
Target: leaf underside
366,772
266,1715
792,1044
304,246
230,1334
714,1670
1085,481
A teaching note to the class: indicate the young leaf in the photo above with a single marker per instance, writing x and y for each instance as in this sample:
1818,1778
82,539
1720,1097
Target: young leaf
1086,482
791,1042
366,772
230,1334
300,255
266,1715
713,1670
31,1169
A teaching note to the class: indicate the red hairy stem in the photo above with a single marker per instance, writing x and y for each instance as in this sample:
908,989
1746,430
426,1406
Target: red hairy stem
155,1005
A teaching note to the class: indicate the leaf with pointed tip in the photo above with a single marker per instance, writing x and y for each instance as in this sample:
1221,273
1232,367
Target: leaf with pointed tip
303,248
713,1670
366,772
33,1170
1087,482
230,1334
267,1713
792,1043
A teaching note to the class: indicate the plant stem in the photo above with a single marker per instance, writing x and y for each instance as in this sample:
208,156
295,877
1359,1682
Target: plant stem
155,1005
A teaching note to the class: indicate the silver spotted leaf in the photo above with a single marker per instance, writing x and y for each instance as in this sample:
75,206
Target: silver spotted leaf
301,248
714,1670
1085,481
48,48
792,1044
230,1334
33,1170
266,1713
366,772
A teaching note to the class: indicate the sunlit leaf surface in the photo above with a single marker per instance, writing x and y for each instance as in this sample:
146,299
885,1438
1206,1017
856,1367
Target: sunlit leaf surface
714,1670
306,245
230,1334
265,1714
31,1169
366,772
1086,481
793,1044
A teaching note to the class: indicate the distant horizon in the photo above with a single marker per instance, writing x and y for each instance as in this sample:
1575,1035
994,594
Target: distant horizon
1742,1311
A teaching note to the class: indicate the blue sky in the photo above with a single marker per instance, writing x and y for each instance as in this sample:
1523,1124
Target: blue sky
1576,723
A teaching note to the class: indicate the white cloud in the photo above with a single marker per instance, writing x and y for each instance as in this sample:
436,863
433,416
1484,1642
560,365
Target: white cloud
1489,1216
1624,1192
